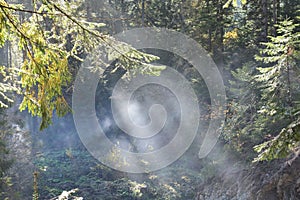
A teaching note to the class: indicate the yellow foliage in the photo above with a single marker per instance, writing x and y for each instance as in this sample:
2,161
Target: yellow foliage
230,36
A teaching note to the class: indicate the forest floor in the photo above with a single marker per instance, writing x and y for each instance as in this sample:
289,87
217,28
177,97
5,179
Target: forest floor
220,176
66,170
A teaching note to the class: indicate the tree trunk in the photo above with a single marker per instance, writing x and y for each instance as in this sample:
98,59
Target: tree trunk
276,4
264,19
143,13
209,31
220,48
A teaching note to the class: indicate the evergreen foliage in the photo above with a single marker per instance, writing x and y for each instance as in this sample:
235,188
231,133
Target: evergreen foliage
254,43
47,40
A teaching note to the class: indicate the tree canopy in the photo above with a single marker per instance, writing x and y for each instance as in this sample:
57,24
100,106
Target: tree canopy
254,43
47,39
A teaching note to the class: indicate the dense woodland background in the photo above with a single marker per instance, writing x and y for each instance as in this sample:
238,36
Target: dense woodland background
255,45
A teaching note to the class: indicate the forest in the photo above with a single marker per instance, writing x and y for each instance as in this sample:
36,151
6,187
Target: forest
149,99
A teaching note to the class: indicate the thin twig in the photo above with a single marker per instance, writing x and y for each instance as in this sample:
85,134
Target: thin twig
102,37
57,14
26,40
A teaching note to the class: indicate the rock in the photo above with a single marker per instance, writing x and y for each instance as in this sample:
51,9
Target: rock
275,181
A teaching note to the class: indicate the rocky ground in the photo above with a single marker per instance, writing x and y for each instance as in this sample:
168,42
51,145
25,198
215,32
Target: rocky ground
277,180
